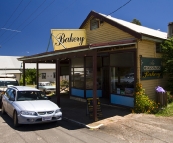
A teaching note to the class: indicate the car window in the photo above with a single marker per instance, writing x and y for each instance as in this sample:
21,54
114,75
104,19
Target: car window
10,93
5,83
30,95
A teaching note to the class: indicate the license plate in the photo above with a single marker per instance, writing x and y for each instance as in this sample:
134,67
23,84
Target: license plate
46,118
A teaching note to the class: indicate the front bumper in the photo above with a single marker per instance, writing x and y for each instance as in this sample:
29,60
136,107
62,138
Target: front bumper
28,119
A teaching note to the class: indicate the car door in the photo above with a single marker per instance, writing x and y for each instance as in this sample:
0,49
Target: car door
5,99
10,101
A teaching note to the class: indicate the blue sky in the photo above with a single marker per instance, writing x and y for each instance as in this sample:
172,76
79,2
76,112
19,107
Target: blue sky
25,24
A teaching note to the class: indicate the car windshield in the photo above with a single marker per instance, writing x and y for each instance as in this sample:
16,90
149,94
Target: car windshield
30,95
5,83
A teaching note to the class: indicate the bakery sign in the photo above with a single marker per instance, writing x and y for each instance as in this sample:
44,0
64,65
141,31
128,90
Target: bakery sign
68,38
151,68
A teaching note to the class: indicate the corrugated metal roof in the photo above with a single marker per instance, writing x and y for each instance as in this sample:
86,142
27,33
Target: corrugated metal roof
11,62
9,71
138,28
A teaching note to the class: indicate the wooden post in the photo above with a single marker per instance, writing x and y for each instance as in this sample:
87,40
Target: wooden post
24,74
58,81
37,75
95,86
70,81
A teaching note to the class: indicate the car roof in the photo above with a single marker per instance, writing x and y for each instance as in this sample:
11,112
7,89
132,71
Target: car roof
7,79
24,88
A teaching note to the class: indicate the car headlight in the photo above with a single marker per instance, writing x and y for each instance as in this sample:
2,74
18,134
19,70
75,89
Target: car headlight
32,113
58,110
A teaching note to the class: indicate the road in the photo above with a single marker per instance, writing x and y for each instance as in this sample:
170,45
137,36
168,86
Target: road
133,128
60,132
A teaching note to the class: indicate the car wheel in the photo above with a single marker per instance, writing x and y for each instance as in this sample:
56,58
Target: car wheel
3,109
15,119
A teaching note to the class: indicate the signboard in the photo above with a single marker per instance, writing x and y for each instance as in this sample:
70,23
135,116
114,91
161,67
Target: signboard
151,68
68,38
90,107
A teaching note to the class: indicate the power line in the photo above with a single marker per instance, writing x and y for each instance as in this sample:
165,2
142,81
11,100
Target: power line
59,12
119,7
39,14
31,14
13,13
17,16
6,40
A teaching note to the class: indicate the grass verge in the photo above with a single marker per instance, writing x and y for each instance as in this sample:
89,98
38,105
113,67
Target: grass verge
166,112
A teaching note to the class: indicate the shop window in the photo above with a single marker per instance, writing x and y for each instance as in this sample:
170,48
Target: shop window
89,62
122,80
105,61
89,78
94,23
122,59
43,75
54,75
77,62
77,77
122,73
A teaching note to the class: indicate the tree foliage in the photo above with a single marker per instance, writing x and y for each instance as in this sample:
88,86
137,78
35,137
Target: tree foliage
30,76
167,56
135,21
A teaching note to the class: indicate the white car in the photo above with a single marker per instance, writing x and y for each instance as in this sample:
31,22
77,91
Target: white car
5,82
46,87
28,105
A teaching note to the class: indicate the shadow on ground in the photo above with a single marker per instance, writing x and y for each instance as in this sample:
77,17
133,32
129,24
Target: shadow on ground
76,110
35,127
73,110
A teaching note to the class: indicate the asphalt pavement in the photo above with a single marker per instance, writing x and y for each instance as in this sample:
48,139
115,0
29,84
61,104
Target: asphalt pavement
117,125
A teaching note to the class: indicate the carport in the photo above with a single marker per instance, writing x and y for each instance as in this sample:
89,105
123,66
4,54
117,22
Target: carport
64,57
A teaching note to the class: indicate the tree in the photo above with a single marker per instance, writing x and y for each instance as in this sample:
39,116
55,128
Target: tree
30,76
167,56
135,21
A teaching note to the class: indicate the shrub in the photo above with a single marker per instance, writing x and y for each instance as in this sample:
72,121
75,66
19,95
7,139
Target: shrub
169,97
142,102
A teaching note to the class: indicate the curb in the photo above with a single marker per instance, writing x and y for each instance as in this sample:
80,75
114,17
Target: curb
82,124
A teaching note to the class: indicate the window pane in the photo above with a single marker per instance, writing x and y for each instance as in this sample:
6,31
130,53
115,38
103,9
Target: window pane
77,78
89,61
77,62
122,80
105,61
122,59
94,24
43,75
89,78
99,61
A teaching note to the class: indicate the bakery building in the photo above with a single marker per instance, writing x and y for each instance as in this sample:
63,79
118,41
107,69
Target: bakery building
105,58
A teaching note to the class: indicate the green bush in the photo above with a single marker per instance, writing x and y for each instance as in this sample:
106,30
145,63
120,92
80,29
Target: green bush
169,97
142,102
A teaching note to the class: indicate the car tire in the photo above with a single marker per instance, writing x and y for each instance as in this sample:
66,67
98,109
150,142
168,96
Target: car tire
3,110
15,119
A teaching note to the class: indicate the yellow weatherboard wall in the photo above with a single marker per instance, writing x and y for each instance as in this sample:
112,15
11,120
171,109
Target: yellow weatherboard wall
68,38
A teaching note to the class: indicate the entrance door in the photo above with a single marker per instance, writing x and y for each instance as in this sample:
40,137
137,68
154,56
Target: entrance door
105,84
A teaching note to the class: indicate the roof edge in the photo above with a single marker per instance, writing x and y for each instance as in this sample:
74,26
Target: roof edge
111,22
